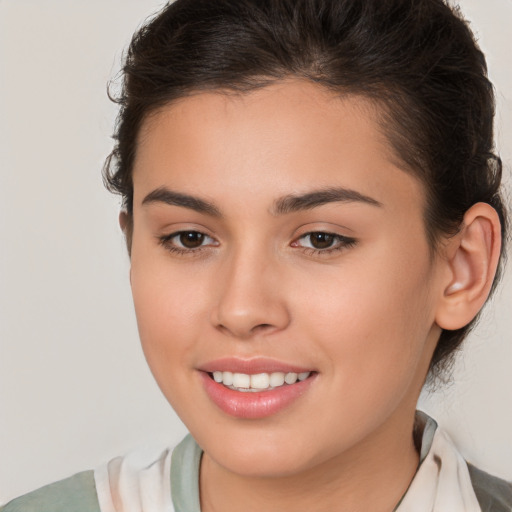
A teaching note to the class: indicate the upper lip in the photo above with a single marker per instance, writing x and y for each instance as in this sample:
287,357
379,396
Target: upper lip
251,366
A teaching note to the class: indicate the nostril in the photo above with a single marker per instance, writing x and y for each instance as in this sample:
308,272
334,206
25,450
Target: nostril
262,327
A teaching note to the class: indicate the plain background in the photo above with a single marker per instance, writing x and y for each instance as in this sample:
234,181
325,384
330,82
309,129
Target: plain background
74,387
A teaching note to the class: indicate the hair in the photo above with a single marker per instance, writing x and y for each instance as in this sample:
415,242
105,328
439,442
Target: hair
417,60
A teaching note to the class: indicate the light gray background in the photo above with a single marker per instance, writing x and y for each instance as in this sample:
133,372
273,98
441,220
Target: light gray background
74,387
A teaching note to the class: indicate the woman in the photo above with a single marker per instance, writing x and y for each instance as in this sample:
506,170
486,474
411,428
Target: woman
314,218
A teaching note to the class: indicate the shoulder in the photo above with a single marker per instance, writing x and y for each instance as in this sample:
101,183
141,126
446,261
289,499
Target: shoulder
151,478
76,493
146,479
493,493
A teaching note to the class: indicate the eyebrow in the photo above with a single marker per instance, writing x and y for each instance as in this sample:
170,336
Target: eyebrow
166,196
293,203
282,206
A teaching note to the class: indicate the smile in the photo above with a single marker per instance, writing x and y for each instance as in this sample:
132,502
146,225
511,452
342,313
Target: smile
257,382
255,389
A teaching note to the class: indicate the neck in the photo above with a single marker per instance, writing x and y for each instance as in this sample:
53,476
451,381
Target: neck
373,475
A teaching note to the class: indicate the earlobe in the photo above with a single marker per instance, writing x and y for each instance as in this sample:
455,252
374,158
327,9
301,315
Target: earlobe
473,256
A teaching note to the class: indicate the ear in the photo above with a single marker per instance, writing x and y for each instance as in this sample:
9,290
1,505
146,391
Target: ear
472,259
123,220
126,224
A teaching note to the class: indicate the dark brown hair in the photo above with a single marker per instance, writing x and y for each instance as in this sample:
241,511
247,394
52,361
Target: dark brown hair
416,59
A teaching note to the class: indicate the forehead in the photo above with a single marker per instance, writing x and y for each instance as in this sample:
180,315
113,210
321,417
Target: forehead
286,137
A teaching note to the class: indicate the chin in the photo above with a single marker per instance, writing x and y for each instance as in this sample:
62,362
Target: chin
258,453
256,465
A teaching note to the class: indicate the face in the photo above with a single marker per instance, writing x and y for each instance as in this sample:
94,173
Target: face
283,284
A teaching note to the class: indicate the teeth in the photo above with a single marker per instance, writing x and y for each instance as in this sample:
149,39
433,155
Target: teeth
259,381
276,379
241,380
290,378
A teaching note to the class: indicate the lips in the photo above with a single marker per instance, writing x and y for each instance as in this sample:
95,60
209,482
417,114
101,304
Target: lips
257,388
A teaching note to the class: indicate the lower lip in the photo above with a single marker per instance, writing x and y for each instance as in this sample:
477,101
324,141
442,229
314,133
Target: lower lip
254,405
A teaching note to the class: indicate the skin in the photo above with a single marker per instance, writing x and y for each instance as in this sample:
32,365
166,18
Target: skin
362,317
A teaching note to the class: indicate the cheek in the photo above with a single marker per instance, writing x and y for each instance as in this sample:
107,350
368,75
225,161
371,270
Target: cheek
168,305
372,317
167,309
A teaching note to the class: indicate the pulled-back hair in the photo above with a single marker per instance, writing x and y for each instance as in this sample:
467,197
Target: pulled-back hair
416,59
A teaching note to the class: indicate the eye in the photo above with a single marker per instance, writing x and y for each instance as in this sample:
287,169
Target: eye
190,239
187,241
320,241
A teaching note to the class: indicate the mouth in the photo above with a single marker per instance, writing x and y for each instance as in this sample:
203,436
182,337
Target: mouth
254,383
256,388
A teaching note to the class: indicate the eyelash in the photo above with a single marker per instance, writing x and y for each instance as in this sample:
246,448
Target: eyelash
341,243
166,242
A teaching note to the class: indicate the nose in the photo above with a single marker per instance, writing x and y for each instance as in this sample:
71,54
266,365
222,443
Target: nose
251,301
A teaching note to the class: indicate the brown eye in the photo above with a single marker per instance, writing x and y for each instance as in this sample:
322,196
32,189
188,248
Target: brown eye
191,239
187,242
321,240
